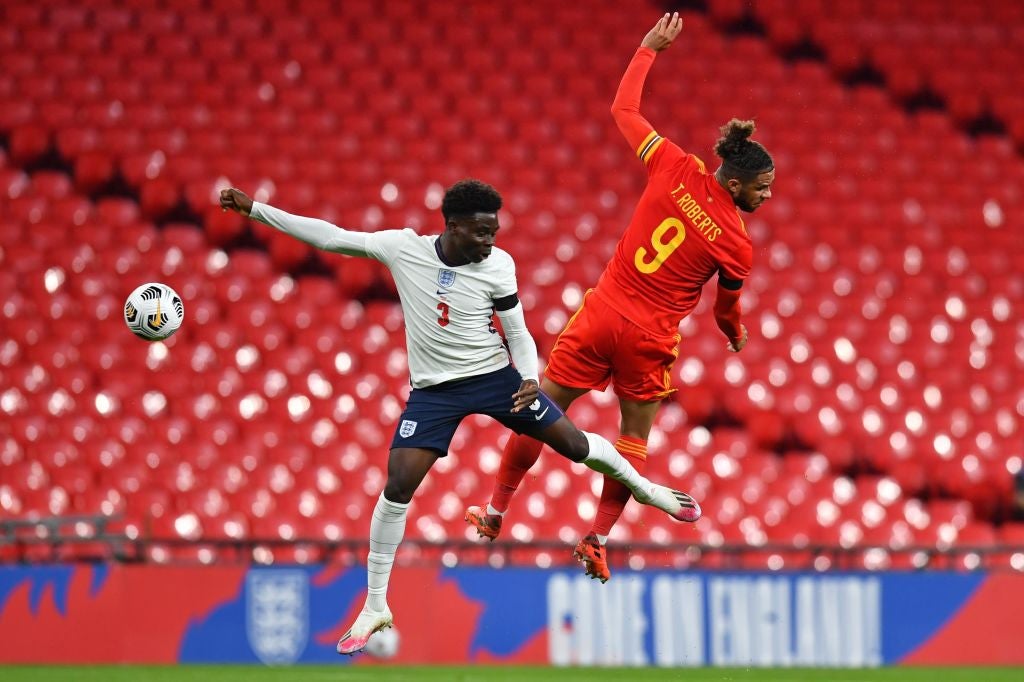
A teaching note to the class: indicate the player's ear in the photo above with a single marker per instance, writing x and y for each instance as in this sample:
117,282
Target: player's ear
735,186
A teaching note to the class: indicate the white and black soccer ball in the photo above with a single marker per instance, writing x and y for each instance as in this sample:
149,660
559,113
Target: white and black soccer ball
154,311
383,644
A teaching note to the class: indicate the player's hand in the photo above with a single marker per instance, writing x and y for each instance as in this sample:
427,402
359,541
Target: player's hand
235,200
737,346
528,391
664,32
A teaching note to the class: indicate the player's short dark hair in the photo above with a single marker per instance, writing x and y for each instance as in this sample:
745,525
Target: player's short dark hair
469,196
742,157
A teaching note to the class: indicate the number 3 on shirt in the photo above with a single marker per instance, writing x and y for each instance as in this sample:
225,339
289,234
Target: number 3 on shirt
665,239
443,320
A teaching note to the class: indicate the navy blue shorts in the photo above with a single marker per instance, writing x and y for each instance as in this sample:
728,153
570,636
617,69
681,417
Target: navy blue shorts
433,413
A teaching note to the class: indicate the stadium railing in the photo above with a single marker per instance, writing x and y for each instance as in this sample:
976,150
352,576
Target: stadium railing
92,538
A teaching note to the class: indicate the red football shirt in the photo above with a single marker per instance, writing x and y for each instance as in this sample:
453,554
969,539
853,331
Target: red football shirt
685,228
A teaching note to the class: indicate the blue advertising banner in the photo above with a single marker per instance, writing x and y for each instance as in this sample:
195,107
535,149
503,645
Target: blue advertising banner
295,614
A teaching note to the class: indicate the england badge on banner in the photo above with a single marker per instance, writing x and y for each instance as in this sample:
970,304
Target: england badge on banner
277,614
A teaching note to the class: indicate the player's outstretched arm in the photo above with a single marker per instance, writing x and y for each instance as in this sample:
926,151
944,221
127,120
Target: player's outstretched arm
626,106
313,231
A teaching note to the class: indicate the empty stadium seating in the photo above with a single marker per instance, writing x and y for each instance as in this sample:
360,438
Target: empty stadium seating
872,422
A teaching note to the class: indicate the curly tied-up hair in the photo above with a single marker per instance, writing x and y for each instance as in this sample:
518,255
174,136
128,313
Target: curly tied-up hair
742,157
469,196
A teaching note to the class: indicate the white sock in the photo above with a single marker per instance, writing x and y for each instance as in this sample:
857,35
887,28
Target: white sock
492,511
387,528
603,539
604,458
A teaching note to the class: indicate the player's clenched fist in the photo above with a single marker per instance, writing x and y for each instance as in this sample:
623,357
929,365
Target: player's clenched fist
235,200
737,346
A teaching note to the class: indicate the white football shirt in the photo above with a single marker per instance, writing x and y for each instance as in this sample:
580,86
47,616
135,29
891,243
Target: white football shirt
448,327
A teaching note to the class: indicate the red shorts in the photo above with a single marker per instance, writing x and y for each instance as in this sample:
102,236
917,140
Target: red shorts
598,346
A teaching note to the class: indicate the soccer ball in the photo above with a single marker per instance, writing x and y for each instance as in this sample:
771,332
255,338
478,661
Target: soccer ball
383,644
154,311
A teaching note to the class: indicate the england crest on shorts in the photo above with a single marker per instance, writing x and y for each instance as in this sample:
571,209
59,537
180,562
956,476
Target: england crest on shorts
407,428
277,614
445,278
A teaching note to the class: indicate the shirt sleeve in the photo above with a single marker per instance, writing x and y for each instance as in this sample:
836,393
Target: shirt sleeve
727,313
386,245
313,231
521,345
639,133
645,141
739,265
505,283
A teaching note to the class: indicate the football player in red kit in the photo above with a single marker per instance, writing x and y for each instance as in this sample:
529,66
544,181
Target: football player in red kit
685,230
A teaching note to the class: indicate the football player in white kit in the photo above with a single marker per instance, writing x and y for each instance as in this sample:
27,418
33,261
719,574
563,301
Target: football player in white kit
450,285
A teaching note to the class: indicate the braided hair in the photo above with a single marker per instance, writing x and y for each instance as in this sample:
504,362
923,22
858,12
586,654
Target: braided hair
742,157
469,196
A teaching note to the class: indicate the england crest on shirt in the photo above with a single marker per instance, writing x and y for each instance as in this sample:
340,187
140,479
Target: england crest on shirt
445,278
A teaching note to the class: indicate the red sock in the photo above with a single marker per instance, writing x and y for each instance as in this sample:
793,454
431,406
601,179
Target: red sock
521,453
614,495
